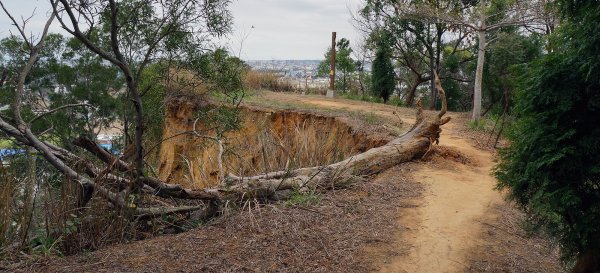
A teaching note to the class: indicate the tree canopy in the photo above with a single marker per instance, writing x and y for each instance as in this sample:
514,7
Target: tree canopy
433,36
383,78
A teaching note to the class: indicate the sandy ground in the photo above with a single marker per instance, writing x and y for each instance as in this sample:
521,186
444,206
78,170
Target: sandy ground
442,230
445,231
440,214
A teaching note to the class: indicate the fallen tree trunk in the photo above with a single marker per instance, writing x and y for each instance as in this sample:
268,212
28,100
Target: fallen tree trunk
412,145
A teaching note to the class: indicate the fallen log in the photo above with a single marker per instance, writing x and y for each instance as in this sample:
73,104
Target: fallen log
414,144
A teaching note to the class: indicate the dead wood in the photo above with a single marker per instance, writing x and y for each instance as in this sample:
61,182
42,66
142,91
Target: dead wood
412,145
101,153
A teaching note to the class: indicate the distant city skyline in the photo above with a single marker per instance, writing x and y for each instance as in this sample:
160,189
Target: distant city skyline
263,29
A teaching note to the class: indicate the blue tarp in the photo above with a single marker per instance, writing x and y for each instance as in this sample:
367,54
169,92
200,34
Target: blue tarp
106,146
109,147
10,152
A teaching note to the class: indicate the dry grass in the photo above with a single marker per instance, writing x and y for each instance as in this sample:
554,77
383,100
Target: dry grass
86,229
56,226
340,234
268,141
182,81
508,248
350,230
7,199
482,139
257,80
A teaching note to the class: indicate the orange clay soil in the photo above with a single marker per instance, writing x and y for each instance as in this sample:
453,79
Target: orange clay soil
269,140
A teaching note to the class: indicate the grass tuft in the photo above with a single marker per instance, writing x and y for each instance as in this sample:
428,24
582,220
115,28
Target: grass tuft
298,198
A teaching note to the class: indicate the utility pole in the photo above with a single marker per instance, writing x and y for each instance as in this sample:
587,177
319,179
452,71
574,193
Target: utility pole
332,72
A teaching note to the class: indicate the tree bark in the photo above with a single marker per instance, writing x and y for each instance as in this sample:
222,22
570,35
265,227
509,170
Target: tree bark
360,83
436,64
432,83
28,195
410,96
481,31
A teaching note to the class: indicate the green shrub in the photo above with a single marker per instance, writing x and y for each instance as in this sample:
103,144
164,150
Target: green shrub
478,125
552,167
360,97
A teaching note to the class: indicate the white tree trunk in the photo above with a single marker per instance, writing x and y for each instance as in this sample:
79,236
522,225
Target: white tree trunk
479,75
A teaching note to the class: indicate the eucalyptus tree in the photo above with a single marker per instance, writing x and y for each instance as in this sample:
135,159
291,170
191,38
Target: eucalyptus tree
481,18
361,55
134,33
64,76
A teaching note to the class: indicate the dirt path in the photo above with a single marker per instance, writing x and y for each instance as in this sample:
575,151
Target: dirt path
445,228
406,114
435,215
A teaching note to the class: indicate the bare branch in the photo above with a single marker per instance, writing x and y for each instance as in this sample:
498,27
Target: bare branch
76,31
61,108
20,28
154,212
34,52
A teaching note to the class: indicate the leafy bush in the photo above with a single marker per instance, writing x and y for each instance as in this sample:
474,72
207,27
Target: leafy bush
552,167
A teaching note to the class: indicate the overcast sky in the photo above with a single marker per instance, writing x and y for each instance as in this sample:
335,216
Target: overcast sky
283,29
290,29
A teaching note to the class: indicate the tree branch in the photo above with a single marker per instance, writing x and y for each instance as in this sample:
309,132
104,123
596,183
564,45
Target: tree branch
61,108
438,86
154,212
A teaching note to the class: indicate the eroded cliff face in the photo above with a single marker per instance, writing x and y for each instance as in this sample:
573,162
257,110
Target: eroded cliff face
268,141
